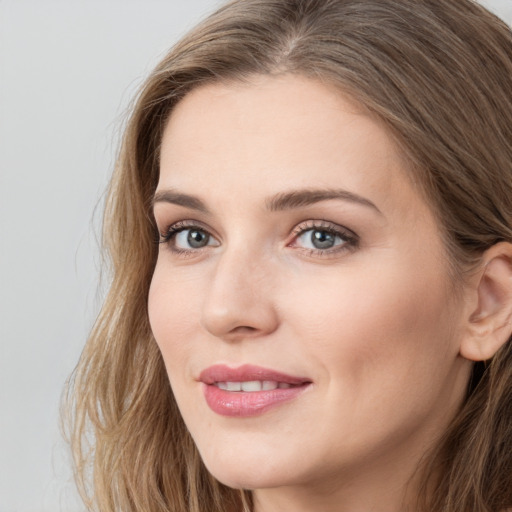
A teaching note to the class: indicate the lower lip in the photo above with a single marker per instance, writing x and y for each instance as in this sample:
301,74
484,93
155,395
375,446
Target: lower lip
244,404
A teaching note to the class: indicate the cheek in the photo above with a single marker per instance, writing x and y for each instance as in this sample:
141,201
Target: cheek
382,346
173,315
376,327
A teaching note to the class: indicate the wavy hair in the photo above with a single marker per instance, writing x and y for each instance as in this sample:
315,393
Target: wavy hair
438,74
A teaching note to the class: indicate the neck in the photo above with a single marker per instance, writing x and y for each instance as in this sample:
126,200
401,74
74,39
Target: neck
350,497
378,486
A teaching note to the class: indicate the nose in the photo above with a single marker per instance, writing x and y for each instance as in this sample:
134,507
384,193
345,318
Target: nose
239,301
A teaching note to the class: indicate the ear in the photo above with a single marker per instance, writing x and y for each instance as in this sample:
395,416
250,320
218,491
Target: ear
490,322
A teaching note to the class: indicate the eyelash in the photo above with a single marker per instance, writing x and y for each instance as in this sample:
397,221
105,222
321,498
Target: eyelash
170,234
350,239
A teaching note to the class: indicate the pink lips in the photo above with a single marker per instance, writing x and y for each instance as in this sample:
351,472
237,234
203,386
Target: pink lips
248,403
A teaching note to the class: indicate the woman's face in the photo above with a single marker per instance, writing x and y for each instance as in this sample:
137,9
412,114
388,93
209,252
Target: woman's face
301,298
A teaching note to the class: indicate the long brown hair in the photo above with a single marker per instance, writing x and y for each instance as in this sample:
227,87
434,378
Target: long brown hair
438,73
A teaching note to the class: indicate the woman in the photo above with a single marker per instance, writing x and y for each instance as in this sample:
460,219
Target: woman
325,323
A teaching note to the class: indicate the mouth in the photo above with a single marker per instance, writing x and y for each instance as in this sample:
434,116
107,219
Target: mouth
248,390
252,386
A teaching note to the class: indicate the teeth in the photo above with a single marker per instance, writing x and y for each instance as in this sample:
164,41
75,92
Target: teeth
252,385
234,386
268,385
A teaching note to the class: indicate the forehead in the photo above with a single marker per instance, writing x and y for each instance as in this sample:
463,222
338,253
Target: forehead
274,133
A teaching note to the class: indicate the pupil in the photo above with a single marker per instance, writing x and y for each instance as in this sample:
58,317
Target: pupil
322,239
197,239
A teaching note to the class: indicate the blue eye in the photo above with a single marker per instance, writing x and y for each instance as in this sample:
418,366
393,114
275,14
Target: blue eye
192,239
320,239
184,238
317,237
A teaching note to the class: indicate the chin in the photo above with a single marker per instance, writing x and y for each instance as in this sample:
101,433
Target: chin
247,480
240,473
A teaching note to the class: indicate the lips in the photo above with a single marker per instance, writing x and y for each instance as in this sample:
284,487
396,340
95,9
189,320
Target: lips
248,390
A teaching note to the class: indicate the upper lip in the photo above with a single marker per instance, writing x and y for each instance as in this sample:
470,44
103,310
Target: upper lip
245,373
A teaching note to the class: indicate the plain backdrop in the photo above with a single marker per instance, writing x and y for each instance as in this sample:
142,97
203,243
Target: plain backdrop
68,69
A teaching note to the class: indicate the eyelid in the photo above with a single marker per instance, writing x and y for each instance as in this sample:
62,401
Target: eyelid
325,225
350,237
170,232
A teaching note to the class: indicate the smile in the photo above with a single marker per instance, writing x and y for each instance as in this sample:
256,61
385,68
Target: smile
248,390
252,385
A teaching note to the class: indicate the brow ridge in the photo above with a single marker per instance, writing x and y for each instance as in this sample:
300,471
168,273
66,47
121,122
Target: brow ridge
305,197
180,199
283,201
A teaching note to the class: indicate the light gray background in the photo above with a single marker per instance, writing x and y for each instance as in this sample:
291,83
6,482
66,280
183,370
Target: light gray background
67,71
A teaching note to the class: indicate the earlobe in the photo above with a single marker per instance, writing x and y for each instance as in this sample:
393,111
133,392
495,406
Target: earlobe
490,323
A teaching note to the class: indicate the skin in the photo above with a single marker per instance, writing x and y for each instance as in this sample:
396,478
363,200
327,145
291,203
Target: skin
373,322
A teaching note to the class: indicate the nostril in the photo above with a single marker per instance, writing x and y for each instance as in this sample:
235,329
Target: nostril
243,329
243,332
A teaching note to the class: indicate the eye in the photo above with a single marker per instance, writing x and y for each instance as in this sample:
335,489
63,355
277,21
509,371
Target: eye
192,239
181,238
319,237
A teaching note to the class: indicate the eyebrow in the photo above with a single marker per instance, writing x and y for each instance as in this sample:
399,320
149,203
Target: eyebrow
282,201
174,197
306,197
